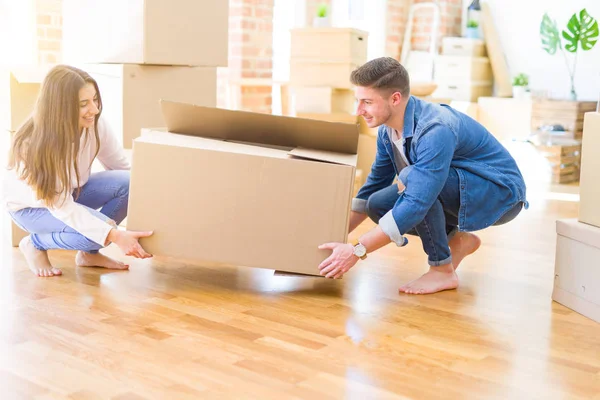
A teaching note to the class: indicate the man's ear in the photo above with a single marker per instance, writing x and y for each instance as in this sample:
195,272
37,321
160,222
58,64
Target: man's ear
396,98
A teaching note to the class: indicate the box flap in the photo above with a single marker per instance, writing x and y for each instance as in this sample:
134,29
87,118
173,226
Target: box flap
245,126
328,156
579,231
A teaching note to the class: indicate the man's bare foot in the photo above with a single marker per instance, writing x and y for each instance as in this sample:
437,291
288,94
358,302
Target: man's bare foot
83,259
435,280
461,245
37,260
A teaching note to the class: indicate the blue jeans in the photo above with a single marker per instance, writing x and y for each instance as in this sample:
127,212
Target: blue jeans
106,190
440,222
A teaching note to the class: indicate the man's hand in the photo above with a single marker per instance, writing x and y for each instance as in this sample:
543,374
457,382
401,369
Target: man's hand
340,261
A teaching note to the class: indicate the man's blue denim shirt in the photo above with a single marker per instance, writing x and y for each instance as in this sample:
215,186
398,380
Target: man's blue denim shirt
443,138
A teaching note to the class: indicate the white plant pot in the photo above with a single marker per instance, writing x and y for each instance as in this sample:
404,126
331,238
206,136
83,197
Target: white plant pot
321,22
519,92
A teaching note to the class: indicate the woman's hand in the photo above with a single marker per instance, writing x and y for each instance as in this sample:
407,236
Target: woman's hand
128,242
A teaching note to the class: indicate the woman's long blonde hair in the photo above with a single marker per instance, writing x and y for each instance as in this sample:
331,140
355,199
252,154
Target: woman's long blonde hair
45,148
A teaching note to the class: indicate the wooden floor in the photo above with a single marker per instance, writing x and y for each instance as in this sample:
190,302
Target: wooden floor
169,330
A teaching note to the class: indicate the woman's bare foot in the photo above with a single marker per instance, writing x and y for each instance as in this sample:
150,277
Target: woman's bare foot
37,260
83,259
435,280
461,245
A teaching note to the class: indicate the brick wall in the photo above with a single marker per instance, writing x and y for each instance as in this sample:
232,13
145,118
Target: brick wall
250,63
49,31
397,19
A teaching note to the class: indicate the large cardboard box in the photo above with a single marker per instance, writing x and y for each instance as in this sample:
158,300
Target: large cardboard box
493,112
164,32
577,269
309,72
589,188
329,44
322,99
342,117
131,93
243,188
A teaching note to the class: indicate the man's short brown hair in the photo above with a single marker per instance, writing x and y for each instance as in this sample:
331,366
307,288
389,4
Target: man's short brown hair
383,73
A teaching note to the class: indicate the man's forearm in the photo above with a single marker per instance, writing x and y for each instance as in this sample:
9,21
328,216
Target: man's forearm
356,219
374,239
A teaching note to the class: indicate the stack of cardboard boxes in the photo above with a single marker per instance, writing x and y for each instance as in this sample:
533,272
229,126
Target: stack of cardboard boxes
143,51
577,268
463,71
321,62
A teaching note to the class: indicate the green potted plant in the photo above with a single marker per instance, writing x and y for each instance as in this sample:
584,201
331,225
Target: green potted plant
581,33
322,17
520,85
472,29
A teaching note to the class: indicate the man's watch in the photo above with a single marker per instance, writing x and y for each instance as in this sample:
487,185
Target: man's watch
360,250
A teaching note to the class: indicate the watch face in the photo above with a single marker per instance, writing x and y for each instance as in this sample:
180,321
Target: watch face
360,250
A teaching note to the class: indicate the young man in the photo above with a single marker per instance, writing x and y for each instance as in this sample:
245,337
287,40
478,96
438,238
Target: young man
453,177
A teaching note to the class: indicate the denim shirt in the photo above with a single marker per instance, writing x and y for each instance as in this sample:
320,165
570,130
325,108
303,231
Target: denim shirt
438,138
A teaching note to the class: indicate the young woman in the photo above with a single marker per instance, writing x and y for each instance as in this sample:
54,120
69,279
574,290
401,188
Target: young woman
49,189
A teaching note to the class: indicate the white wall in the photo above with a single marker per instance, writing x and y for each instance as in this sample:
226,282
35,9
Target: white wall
519,34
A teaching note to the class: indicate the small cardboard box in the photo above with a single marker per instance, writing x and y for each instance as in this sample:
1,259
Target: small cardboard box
464,91
131,93
329,44
243,188
460,46
577,269
322,99
589,189
176,32
449,69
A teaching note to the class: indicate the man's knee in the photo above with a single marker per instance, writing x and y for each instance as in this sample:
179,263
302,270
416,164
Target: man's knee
510,214
376,207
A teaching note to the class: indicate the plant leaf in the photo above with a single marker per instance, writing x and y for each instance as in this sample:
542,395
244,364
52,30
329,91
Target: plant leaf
549,34
582,31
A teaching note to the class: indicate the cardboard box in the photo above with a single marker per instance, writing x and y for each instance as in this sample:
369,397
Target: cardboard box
589,189
307,72
464,91
577,269
493,113
450,69
243,188
322,99
131,93
177,32
461,46
347,118
347,45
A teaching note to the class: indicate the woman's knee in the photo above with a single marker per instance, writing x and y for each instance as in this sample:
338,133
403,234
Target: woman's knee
122,179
